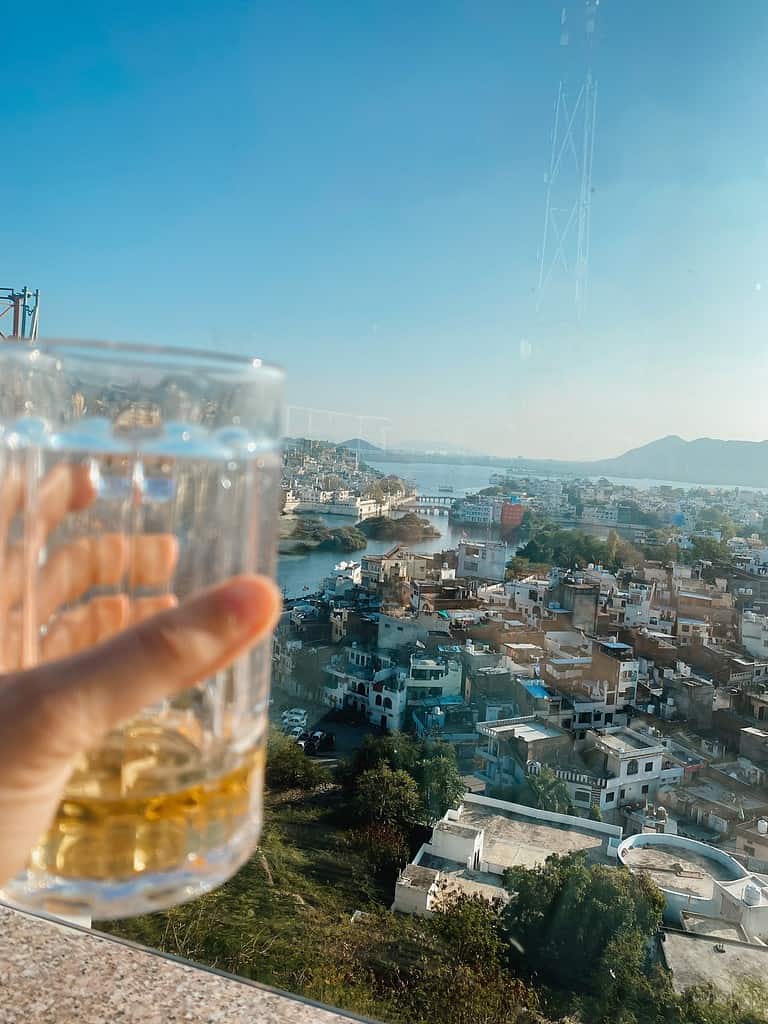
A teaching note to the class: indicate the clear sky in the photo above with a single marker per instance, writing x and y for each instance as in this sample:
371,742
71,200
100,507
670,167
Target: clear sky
356,190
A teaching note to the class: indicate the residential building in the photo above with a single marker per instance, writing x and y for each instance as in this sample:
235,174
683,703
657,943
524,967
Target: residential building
693,630
754,633
430,676
751,844
484,560
529,599
369,682
700,883
471,848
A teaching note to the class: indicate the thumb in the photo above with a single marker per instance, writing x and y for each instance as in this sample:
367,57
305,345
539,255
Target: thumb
82,697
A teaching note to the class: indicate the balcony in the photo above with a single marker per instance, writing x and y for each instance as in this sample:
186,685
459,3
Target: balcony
53,973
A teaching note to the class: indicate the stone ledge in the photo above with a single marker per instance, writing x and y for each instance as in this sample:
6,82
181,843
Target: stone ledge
55,973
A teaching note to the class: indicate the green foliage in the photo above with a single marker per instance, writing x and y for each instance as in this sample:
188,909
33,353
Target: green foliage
549,792
549,545
708,549
288,767
581,927
545,791
389,796
430,764
384,846
441,785
310,533
410,527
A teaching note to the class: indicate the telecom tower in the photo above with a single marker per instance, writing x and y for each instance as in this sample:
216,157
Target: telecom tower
23,306
564,251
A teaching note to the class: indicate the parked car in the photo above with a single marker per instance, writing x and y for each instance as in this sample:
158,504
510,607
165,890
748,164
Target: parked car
293,713
319,742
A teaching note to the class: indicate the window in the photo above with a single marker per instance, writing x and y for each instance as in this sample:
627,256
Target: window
632,767
585,717
645,788
582,796
610,797
566,723
608,717
622,794
649,766
387,702
378,700
749,850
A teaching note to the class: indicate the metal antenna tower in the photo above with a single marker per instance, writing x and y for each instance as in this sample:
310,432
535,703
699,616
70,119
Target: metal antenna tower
567,213
23,306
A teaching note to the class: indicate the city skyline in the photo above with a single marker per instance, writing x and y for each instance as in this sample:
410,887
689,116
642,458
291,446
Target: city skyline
359,195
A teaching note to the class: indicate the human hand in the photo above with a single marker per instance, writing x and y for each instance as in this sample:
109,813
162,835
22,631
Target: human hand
101,659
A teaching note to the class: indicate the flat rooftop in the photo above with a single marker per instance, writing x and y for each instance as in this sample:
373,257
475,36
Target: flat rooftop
515,841
460,878
672,867
623,741
715,927
715,792
528,731
693,960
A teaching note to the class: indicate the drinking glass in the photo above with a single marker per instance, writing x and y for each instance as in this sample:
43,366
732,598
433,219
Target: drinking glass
179,454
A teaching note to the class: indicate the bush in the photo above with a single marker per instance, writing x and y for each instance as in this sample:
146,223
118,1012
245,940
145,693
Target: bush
288,767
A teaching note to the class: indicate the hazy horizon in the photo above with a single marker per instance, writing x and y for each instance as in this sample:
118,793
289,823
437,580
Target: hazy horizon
358,193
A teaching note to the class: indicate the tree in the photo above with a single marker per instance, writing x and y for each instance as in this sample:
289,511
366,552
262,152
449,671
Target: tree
441,785
288,767
574,925
387,796
549,792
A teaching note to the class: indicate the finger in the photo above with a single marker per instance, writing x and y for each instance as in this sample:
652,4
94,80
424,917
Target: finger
78,628
85,626
153,558
81,698
145,607
74,568
66,488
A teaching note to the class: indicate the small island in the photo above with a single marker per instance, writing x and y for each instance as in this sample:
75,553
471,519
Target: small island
409,527
312,535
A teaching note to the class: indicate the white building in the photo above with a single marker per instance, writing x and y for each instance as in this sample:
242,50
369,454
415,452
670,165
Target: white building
342,579
484,560
472,847
600,515
754,634
433,677
529,598
369,682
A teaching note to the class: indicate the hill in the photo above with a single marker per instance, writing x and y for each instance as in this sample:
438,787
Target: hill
357,443
705,460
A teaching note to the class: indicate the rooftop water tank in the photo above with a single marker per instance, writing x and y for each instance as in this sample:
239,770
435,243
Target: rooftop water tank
762,827
752,894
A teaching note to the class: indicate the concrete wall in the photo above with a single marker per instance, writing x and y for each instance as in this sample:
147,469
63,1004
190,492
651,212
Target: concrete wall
677,902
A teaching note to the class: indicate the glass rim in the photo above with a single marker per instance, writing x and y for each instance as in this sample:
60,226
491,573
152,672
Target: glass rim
225,360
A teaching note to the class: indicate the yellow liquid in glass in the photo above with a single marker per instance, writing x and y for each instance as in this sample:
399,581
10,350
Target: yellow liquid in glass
147,802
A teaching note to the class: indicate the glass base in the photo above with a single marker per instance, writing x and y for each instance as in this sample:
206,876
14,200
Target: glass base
77,899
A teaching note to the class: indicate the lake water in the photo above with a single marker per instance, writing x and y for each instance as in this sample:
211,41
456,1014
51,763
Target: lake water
299,574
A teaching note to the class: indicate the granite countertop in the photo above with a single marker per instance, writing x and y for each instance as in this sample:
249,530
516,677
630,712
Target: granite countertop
55,973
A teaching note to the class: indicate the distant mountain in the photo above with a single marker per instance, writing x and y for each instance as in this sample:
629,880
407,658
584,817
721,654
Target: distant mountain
357,443
706,460
434,448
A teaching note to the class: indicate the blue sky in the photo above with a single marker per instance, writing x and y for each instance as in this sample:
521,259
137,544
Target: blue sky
356,191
